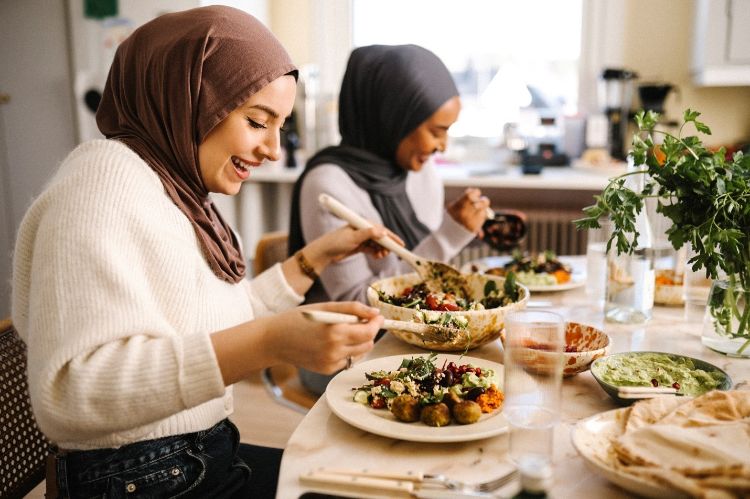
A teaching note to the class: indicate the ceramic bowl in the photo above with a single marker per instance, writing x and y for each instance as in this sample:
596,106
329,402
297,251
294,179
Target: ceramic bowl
668,289
483,327
611,389
583,345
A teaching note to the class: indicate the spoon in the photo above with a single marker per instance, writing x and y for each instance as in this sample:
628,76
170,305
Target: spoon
428,332
439,277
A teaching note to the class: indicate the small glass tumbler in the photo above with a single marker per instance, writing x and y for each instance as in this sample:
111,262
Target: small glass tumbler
533,357
596,260
696,289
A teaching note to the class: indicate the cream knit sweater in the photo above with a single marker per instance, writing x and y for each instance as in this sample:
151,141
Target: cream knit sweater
116,303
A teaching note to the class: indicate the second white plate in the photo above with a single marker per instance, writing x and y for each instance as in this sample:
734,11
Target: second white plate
591,438
577,279
381,422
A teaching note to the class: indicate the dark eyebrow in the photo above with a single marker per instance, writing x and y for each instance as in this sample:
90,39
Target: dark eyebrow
267,109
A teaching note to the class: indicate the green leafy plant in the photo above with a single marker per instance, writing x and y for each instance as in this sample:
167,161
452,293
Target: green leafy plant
705,194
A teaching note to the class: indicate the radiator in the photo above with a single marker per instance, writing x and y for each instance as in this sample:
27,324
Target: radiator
546,230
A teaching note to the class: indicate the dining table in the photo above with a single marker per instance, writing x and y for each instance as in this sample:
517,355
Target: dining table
322,439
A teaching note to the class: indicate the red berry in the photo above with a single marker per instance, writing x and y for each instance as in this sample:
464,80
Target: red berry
654,382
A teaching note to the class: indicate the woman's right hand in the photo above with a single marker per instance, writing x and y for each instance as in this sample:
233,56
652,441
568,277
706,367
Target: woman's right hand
324,348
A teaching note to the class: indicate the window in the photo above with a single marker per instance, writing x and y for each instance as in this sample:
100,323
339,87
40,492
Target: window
512,60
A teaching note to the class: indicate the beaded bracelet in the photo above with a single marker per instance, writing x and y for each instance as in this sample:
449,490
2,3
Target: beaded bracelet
305,266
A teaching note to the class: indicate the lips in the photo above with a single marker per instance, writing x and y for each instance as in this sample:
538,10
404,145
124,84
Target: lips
242,167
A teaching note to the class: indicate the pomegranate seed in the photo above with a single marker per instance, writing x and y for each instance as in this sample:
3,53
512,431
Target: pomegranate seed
654,382
676,385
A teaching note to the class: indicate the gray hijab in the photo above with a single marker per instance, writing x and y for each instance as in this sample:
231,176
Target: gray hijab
386,93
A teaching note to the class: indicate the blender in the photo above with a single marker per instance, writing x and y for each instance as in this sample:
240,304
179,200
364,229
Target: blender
615,94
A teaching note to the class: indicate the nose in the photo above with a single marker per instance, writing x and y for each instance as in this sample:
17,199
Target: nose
270,147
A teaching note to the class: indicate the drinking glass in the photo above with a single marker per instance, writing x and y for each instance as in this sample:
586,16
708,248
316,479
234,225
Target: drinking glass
533,357
696,289
596,260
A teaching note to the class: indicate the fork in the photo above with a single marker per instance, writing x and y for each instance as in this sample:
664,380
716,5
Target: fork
424,479
488,486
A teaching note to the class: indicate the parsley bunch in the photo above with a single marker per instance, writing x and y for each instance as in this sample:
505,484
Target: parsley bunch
705,194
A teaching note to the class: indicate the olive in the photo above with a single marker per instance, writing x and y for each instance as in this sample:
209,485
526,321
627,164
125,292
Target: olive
447,378
474,393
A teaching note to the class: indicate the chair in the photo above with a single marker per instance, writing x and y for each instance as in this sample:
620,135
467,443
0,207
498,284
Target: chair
282,381
23,447
272,248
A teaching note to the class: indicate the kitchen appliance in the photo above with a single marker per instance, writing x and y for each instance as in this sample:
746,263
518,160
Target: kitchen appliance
653,95
615,95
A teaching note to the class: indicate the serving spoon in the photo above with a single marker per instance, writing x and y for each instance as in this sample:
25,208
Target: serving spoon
428,332
439,277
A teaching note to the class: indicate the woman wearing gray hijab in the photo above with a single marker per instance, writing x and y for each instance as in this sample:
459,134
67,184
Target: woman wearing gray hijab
129,287
395,108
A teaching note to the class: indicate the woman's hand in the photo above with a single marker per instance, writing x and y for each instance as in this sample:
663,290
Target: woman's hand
289,337
324,348
345,241
470,210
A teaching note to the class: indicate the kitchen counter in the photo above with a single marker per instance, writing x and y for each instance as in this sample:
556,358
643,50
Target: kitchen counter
477,175
263,204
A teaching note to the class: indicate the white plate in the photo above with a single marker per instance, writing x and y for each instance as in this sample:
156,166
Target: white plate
577,279
591,438
381,422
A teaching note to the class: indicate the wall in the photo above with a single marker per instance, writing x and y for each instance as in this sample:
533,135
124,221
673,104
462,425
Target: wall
37,123
658,45
653,37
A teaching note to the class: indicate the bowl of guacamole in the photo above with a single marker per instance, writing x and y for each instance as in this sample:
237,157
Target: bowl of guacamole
691,377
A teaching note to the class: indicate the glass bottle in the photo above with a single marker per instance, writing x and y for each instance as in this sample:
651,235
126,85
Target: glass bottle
631,277
536,478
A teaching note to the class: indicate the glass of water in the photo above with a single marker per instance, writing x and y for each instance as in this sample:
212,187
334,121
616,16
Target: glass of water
596,260
533,357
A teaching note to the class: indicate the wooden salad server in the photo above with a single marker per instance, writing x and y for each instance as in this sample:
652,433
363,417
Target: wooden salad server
438,276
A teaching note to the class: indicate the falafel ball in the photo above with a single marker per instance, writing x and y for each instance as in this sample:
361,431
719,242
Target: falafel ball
405,408
436,415
467,412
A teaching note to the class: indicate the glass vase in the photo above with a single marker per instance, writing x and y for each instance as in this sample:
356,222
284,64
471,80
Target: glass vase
726,323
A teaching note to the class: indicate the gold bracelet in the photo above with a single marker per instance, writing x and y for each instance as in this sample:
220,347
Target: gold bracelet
305,266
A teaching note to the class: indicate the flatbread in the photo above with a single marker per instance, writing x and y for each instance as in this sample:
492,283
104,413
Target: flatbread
700,446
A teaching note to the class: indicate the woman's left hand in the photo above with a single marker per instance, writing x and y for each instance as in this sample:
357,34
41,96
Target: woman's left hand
470,210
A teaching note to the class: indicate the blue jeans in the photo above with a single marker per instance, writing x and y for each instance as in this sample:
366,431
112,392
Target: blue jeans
205,464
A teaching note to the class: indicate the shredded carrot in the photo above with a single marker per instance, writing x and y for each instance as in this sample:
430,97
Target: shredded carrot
491,399
561,276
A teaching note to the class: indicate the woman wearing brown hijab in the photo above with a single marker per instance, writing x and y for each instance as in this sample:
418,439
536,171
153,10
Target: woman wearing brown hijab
129,286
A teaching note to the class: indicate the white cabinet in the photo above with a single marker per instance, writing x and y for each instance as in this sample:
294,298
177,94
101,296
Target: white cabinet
721,44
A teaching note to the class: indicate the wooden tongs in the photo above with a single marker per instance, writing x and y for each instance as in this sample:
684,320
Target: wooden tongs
428,332
438,276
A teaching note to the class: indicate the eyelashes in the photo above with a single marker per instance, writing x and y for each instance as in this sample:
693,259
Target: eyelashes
255,124
261,126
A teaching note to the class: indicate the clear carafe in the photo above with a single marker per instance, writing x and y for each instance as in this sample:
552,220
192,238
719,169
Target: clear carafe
629,296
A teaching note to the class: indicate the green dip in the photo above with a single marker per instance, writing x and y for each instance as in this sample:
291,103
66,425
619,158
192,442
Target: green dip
638,369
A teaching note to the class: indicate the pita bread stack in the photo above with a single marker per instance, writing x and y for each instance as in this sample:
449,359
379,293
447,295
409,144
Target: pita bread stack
700,446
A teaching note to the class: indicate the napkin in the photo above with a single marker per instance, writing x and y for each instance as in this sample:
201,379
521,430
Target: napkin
700,446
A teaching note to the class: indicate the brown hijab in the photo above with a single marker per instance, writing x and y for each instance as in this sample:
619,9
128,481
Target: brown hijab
171,82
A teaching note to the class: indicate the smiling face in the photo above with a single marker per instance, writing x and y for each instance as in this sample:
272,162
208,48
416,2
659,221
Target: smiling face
429,137
246,137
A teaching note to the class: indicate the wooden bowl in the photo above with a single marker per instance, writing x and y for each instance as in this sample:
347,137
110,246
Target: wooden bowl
483,327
